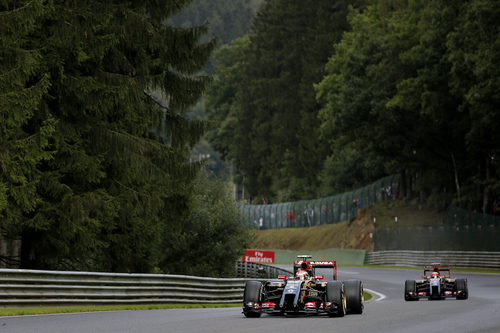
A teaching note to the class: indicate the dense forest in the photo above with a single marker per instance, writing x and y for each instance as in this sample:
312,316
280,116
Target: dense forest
309,98
325,96
94,145
227,19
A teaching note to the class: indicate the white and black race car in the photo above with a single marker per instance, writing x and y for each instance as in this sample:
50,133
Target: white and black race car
436,284
304,293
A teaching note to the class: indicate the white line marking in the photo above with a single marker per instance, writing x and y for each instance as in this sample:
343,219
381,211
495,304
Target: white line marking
379,295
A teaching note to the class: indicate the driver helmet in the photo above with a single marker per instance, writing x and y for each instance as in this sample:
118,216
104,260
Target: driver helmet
302,275
434,275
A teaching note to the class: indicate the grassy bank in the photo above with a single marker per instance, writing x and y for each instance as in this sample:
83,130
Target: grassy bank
349,234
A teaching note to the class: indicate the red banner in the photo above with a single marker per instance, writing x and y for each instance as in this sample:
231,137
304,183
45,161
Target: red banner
259,257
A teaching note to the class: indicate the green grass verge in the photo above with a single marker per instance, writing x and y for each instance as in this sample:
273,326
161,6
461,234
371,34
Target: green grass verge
368,296
22,311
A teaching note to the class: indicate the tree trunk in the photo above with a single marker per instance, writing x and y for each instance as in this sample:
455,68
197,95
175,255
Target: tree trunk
403,185
457,184
486,188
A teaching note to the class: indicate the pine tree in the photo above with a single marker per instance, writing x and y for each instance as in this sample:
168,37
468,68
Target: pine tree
114,189
274,112
25,125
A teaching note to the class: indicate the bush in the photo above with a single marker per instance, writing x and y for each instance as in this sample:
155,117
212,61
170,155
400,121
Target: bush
214,235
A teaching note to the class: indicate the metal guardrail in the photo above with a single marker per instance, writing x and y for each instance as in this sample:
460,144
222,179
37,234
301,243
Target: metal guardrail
458,259
253,270
35,287
20,287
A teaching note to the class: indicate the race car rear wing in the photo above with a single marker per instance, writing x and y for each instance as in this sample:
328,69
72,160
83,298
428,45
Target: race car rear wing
311,265
436,267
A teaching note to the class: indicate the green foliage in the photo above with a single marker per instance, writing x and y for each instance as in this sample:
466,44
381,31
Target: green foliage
93,142
221,97
411,89
367,137
263,100
389,93
213,235
228,19
25,127
474,47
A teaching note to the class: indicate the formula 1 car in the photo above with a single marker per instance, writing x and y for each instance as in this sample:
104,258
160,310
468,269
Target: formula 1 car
436,283
304,293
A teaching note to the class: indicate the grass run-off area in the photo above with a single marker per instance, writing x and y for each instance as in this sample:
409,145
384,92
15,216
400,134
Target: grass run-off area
24,311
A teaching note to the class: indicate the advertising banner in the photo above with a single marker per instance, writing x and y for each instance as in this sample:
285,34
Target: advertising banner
259,257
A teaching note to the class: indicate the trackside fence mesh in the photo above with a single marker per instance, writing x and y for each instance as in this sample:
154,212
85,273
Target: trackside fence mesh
328,210
463,231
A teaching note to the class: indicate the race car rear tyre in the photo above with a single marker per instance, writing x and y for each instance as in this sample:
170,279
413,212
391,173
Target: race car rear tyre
410,289
252,295
355,300
462,290
335,295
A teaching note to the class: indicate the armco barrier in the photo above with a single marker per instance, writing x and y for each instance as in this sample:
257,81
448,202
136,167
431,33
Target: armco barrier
459,259
253,270
34,287
20,287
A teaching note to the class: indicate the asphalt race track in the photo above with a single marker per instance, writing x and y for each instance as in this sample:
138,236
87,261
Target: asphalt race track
480,313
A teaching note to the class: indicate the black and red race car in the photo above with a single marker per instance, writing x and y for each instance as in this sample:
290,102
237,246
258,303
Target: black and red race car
304,293
436,283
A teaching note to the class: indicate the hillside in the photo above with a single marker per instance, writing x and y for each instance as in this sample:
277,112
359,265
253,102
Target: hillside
349,235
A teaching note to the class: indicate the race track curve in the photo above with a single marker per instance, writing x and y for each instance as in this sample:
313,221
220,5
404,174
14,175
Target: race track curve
480,313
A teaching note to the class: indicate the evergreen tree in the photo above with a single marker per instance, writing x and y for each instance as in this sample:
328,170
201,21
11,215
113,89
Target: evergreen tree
273,111
26,127
221,97
110,191
228,19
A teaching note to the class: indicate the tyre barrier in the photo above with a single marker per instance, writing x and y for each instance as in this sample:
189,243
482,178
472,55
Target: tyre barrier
457,259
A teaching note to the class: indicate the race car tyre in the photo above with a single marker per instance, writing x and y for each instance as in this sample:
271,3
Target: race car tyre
355,301
462,290
252,295
335,295
410,289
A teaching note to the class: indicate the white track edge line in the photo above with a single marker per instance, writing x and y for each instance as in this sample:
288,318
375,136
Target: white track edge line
376,293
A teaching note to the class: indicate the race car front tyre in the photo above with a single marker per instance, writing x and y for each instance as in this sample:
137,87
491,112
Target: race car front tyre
335,298
354,296
462,290
252,298
410,289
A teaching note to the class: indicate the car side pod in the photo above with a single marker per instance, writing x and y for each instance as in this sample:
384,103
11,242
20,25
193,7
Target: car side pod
252,299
